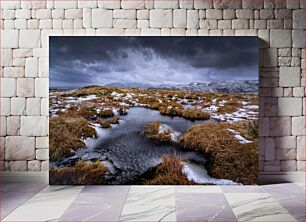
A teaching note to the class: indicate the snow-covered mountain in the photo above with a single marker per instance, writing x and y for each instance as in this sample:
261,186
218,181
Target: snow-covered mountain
226,86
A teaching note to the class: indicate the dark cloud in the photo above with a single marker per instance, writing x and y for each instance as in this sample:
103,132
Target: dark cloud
78,61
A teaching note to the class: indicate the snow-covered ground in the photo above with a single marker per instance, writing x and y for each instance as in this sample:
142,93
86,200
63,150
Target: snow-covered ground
198,174
175,135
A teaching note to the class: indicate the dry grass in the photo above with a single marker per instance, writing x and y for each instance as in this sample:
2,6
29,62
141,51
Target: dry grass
105,113
152,131
229,107
230,159
248,129
66,134
195,114
79,174
169,172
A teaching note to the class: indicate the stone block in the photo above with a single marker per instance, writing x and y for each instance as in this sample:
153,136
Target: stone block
240,24
143,14
227,4
6,57
18,166
45,165
264,126
43,13
41,87
23,14
285,154
179,18
301,166
42,142
229,14
10,72
165,4
280,38
269,148
125,23
270,57
31,67
186,4
298,126
44,106
298,19
9,38
109,4
160,18
203,4
142,23
288,165
289,106
66,4
5,108
58,13
280,126
252,4
192,19
33,106
298,38
42,154
293,4
289,76
43,68
285,142
3,132
34,165
245,14
125,14
150,32
18,106
214,14
88,4
13,125
10,5
298,92
22,53
29,38
301,148
34,126
8,87
73,13
102,18
224,24
25,87
19,148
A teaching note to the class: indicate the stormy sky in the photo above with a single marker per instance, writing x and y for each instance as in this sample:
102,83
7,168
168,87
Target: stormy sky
81,61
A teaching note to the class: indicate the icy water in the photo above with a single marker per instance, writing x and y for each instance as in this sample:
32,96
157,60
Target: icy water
126,151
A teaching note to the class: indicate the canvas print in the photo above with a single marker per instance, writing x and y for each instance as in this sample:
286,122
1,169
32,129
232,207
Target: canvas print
154,110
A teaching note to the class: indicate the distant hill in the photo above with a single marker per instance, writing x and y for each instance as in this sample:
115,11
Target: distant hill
225,86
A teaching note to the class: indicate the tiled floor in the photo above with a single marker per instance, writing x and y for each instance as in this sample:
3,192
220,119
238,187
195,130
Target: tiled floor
39,202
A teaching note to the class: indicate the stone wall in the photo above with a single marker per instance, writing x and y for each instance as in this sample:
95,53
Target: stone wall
26,25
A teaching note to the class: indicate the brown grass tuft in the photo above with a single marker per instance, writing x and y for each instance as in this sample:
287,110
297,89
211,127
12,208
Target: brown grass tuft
80,174
229,107
169,172
152,131
66,134
195,114
105,113
230,159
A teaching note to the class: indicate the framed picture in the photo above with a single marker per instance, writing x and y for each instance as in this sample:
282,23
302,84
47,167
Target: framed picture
154,110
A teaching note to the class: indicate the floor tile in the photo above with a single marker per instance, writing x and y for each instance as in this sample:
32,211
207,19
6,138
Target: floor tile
198,189
150,203
283,188
298,212
203,207
290,199
242,189
47,205
22,187
97,203
257,207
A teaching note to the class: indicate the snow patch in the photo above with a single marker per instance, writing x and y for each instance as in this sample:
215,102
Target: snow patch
240,138
198,174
